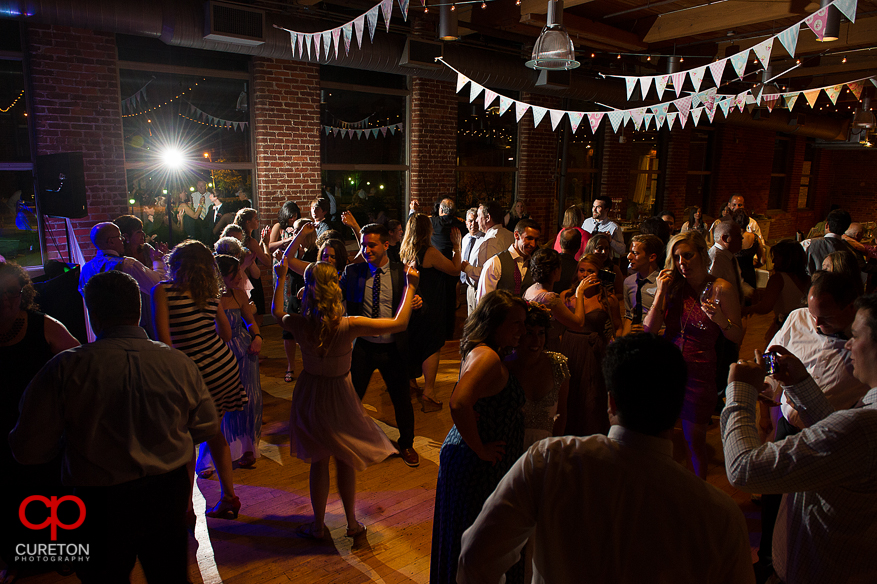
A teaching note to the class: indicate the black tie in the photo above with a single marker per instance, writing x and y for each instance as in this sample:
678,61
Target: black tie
376,295
469,247
638,307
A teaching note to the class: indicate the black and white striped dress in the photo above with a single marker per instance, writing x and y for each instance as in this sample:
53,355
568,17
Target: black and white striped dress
193,331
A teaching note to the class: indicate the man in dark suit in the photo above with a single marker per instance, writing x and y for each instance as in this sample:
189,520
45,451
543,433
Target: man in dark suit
374,289
570,242
836,224
211,219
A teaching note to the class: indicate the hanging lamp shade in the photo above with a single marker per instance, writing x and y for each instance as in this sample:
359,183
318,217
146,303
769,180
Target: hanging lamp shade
864,117
553,50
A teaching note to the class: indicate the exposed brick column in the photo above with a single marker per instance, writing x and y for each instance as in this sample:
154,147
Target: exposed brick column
743,167
433,141
77,109
286,107
537,178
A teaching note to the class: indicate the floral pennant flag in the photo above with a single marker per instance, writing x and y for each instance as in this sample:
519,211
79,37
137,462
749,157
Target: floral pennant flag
789,38
661,84
375,132
695,115
489,97
347,31
710,113
637,116
630,82
696,76
327,129
301,45
847,7
660,112
520,109
384,131
327,42
595,118
335,131
474,91
359,134
403,6
725,106
791,99
833,92
462,80
357,27
556,116
762,51
856,87
740,101
716,69
683,120
647,119
575,118
336,38
812,96
682,106
293,37
738,61
678,81
645,83
504,104
817,21
615,118
372,17
538,114
671,117
387,9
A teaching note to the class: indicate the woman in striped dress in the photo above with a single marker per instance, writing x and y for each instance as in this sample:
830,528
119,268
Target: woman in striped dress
187,318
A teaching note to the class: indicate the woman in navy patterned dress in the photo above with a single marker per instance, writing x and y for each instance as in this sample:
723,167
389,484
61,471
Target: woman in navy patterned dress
187,318
488,433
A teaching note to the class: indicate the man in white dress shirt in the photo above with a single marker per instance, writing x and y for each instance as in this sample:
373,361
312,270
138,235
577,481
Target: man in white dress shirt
614,508
470,241
496,239
641,286
510,268
599,223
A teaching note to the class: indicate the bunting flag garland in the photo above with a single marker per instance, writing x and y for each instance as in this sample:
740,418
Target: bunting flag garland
504,104
616,118
847,7
556,117
387,9
631,83
403,6
683,105
462,80
474,91
856,87
738,61
575,118
817,21
716,69
833,92
812,96
725,106
661,84
671,117
520,109
790,100
368,132
645,83
595,119
336,37
131,103
358,24
695,115
489,97
372,18
678,82
789,38
710,114
647,120
696,76
637,116
538,114
763,50
202,117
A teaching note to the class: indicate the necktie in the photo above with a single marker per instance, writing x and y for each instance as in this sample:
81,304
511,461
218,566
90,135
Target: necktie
469,247
638,307
376,295
517,280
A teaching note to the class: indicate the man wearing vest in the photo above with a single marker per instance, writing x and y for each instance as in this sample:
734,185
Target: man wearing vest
509,269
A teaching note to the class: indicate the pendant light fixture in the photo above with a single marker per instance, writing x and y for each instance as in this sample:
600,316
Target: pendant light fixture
832,22
447,30
553,50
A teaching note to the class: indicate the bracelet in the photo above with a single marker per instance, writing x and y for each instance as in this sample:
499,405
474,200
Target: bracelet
259,335
730,325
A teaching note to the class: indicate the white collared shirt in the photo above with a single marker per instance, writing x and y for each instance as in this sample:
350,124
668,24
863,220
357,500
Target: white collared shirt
493,270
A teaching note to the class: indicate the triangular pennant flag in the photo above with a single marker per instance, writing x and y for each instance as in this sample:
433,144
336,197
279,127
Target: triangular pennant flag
696,76
375,132
626,118
336,38
630,82
771,101
595,118
678,81
791,98
327,42
615,118
647,119
637,116
520,109
292,38
683,105
710,113
708,98
384,131
392,130
671,117
350,134
817,22
372,18
762,51
645,83
327,129
847,7
575,118
833,92
695,115
740,101
489,97
856,87
237,126
695,99
812,96
316,38
358,25
474,91
683,120
301,45
359,134
716,70
307,45
725,106
873,81
462,80
335,131
738,61
504,104
661,84
538,114
789,38
403,5
387,9
347,31
556,117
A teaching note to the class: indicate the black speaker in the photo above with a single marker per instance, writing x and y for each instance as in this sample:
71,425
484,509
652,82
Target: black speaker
61,180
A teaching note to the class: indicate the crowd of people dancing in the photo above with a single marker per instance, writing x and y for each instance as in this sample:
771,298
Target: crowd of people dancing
578,360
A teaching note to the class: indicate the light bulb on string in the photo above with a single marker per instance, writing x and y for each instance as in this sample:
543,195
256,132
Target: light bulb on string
483,5
453,7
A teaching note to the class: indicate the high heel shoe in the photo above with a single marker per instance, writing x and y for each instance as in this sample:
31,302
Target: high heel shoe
224,508
429,405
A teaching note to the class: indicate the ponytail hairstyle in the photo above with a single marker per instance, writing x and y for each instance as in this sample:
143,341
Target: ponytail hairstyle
321,302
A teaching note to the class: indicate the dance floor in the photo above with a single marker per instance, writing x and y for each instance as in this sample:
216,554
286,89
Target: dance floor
393,500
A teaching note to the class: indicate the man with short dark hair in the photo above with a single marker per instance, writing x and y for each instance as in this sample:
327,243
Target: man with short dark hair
614,508
723,263
125,412
397,233
510,268
496,239
375,289
570,243
320,213
836,224
640,287
470,241
827,523
599,223
670,219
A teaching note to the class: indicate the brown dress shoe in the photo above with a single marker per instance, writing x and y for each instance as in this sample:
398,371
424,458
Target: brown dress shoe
409,457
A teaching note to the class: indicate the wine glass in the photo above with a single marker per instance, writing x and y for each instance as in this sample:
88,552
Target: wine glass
710,294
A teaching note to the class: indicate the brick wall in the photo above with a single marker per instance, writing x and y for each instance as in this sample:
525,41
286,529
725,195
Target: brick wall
743,166
77,109
617,161
433,141
847,179
676,174
286,108
537,169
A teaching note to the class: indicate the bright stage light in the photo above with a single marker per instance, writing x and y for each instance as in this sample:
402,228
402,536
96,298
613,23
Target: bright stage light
172,158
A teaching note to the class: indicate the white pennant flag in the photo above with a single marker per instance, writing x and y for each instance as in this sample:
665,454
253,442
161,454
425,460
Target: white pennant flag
661,84
520,109
695,115
615,118
387,8
696,76
538,114
474,91
645,83
671,117
647,120
504,104
372,18
763,50
462,80
556,117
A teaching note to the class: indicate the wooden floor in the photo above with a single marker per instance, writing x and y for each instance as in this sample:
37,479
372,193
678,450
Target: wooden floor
394,501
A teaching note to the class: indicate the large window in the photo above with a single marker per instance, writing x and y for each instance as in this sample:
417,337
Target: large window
644,174
700,163
583,168
808,176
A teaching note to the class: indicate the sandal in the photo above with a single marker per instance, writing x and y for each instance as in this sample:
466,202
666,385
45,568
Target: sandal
429,405
248,460
206,473
308,531
357,532
288,377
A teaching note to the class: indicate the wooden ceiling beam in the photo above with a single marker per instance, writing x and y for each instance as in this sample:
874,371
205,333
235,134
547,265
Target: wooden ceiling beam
595,34
863,32
854,68
541,6
723,16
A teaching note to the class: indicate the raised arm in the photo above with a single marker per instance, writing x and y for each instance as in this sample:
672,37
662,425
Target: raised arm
725,311
293,263
362,326
654,320
573,319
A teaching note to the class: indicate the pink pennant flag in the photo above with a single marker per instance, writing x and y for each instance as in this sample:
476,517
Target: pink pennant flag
489,97
710,114
575,118
678,82
696,76
740,101
302,41
538,114
504,104
350,134
520,109
683,105
771,100
716,69
637,116
462,80
335,131
336,38
816,22
384,131
812,96
387,8
556,117
474,91
856,87
357,28
762,51
347,31
327,42
661,84
671,118
833,92
371,17
645,83
595,118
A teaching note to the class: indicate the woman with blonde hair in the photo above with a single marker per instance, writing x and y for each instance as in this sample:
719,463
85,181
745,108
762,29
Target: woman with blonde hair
187,315
515,214
327,417
427,331
573,219
696,308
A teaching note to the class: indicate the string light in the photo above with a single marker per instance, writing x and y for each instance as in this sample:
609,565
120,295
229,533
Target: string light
159,106
845,59
206,124
453,7
12,105
483,5
425,8
517,2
